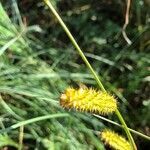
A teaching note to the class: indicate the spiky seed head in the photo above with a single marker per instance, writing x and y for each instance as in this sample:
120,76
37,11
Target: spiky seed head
89,100
114,140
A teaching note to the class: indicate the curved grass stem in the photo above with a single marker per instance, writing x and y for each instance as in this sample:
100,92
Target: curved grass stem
121,126
65,28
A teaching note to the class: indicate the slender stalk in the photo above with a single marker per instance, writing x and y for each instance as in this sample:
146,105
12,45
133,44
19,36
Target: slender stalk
21,134
126,129
65,28
121,126
74,43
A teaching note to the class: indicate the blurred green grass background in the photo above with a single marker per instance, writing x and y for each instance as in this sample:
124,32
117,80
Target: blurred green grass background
38,62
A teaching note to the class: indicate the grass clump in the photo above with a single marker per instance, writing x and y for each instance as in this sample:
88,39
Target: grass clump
30,88
37,63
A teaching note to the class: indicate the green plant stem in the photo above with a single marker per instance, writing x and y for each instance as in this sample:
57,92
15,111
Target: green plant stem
21,134
119,125
75,44
126,128
90,68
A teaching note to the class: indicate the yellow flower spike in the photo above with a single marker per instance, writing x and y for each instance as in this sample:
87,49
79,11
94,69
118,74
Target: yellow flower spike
115,141
89,100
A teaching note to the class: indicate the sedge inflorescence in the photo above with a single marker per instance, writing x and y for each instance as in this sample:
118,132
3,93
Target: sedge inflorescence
115,141
89,100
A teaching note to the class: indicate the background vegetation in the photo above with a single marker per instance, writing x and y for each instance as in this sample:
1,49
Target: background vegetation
38,62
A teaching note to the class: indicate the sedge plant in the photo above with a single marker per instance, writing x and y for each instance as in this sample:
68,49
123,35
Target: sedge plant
96,77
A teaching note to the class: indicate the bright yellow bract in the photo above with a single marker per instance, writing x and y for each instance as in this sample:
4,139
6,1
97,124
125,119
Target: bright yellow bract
88,99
